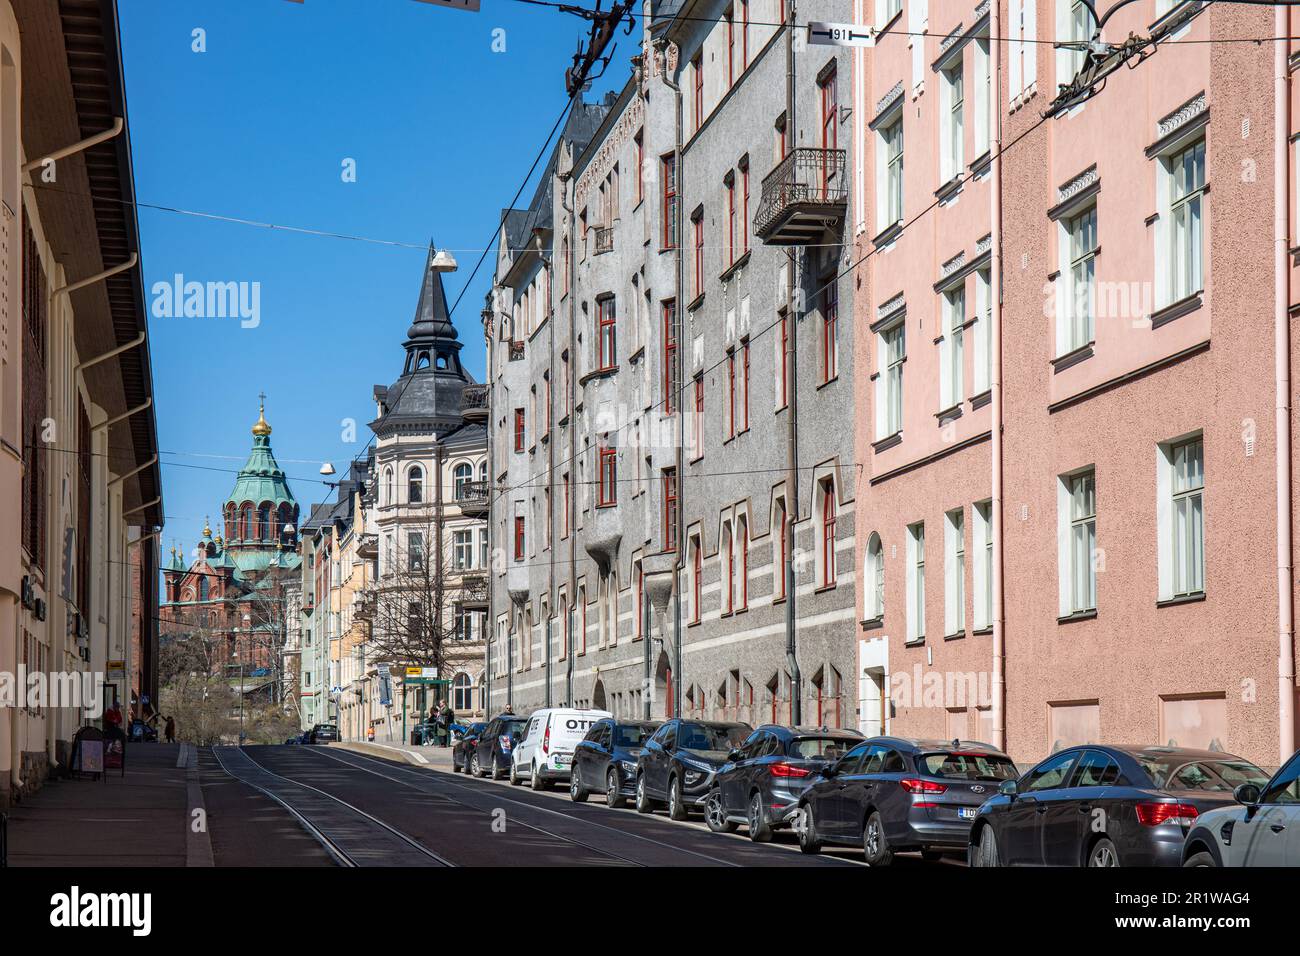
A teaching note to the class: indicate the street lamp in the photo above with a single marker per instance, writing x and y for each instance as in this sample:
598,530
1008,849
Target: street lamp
248,639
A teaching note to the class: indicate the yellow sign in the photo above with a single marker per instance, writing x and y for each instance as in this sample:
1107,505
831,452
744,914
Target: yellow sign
415,672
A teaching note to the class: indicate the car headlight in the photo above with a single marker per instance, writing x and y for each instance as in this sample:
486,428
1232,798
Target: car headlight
694,775
628,767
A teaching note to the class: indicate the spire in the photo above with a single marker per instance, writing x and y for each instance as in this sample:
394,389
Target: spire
431,318
207,530
260,427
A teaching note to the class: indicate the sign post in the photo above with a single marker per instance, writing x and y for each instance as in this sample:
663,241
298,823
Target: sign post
841,34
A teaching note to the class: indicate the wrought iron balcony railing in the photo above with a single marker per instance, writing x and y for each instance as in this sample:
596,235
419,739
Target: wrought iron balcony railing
473,497
803,196
516,351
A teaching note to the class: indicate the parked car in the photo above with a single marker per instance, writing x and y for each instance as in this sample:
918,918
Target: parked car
899,794
290,741
762,781
680,760
605,760
322,733
491,753
1261,829
464,744
545,751
1101,805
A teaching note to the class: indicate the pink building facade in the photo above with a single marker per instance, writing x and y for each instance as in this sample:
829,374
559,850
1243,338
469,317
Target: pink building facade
1069,520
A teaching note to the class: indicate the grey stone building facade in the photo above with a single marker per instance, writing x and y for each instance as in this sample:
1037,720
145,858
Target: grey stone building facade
671,444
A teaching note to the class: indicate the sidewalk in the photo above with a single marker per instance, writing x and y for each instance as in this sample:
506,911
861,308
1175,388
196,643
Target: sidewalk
141,819
437,758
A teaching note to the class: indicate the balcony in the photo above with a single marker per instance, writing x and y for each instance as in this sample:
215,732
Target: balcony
474,589
474,499
604,239
516,351
806,194
474,402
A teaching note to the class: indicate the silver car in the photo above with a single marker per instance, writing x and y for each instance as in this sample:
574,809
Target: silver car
1261,829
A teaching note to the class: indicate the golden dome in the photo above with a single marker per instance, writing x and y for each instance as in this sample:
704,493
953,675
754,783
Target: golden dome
261,427
207,531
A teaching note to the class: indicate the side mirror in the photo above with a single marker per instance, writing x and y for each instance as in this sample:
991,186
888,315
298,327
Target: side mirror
1008,788
734,755
1247,794
831,770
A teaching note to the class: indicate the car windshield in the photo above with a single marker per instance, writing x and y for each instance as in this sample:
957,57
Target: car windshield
826,748
702,737
630,735
514,726
1219,776
967,766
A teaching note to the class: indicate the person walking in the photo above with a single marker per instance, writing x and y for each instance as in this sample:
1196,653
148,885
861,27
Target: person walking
169,730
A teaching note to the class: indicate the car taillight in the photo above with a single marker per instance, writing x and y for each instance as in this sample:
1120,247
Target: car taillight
917,785
1153,814
788,770
546,741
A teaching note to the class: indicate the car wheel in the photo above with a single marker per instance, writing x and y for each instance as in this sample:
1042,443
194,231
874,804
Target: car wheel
1200,859
474,769
537,781
1103,853
874,844
613,793
986,853
512,776
676,808
807,830
643,804
497,772
577,792
760,831
715,814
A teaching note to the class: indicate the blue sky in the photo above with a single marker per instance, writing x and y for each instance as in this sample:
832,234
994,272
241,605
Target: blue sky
441,128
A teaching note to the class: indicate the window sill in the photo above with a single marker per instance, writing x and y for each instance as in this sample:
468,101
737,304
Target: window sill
1072,358
778,600
982,631
598,373
735,266
635,356
888,235
873,623
1088,615
830,381
823,588
982,399
695,303
915,642
1182,599
950,414
888,442
982,163
949,189
955,636
1176,310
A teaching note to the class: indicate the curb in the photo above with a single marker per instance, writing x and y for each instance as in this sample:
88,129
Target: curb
382,750
198,839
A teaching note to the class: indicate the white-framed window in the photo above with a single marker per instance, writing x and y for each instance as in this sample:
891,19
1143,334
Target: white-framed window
1180,519
952,350
1186,181
415,551
982,572
953,119
891,351
463,550
889,172
1022,25
983,95
886,10
1075,319
1073,26
982,360
1076,510
916,581
954,572
873,580
918,19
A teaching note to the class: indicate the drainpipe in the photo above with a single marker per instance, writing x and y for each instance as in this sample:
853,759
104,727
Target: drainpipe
792,402
1282,417
679,311
571,512
548,393
995,381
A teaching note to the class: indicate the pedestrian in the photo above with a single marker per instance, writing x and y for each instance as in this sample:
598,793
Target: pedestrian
449,720
169,729
113,722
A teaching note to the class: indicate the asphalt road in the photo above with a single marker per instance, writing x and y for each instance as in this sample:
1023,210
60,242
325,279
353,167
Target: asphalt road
366,811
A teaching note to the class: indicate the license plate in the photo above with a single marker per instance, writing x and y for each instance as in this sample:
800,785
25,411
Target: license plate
562,759
967,813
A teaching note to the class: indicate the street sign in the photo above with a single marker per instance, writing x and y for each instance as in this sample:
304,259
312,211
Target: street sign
841,34
116,670
428,673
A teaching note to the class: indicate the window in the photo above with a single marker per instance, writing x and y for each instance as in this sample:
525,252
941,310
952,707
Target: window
728,558
463,550
519,537
672,368
828,534
483,548
891,173
1187,182
607,493
830,331
697,420
388,498
415,485
983,95
983,570
952,348
1078,525
954,573
742,549
780,527
783,361
697,578
568,492
954,105
729,187
668,194
982,361
1023,47
729,18
1073,27
744,386
670,508
1188,522
606,333
519,429
415,551
744,34
1080,288
697,92
462,693
892,351
779,139
638,142
744,204
916,582
873,580
697,271
461,476
830,111
730,422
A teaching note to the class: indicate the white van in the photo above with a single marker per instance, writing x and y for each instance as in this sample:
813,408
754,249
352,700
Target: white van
546,751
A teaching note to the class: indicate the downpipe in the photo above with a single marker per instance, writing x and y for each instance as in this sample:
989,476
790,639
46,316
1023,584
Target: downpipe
995,348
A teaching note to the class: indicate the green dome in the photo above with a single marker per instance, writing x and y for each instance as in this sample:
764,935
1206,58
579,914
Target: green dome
261,503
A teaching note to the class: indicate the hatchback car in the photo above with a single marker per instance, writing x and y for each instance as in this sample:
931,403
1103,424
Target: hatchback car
679,762
605,760
490,755
1261,829
1100,805
762,781
322,733
899,794
464,744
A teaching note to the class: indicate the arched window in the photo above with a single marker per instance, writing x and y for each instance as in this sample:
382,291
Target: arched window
246,521
203,588
415,485
387,497
482,470
828,533
729,571
462,691
697,579
264,522
742,544
230,522
461,476
873,580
